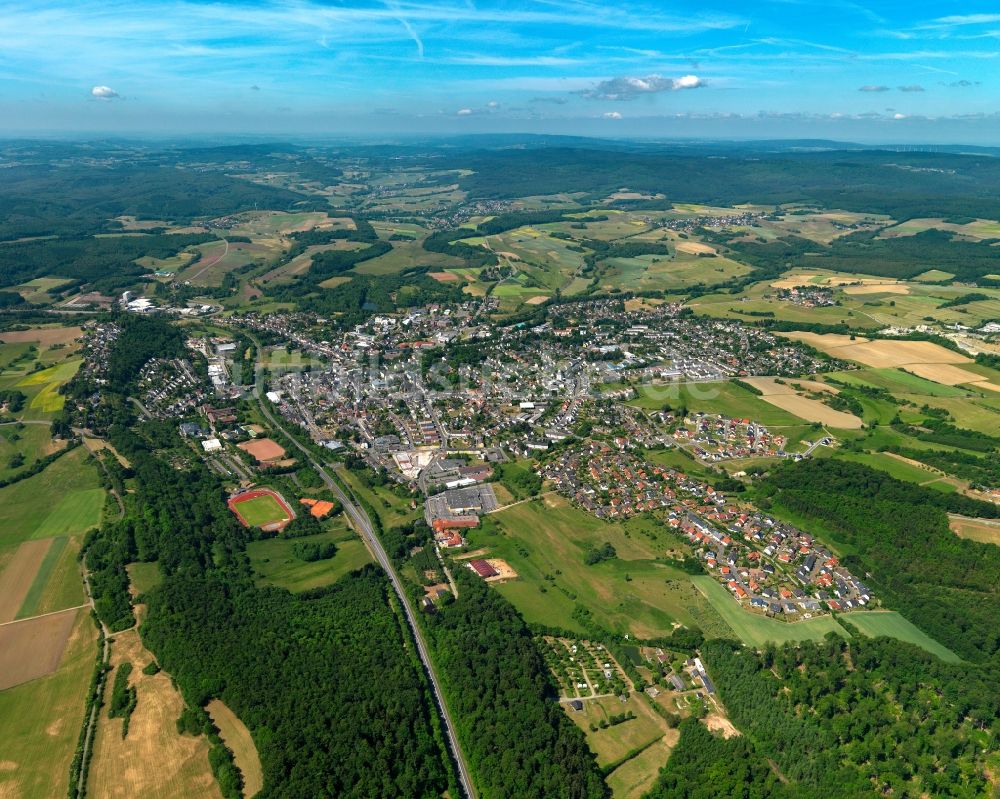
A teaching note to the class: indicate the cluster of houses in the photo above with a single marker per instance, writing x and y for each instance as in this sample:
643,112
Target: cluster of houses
170,388
771,566
612,483
714,437
767,565
807,296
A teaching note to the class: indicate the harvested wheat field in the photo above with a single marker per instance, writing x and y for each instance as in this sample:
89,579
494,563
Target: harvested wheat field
154,761
878,288
42,335
879,353
793,282
238,740
813,411
986,531
695,248
444,277
769,385
19,574
784,395
985,384
946,374
538,300
826,342
32,648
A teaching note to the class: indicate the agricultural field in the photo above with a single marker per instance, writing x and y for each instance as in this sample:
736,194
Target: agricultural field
40,720
903,469
274,562
756,630
238,740
722,397
792,396
861,301
121,766
923,358
976,230
639,592
40,289
30,442
986,531
615,742
73,506
223,256
889,623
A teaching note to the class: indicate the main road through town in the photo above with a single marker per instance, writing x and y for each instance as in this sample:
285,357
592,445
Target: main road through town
364,527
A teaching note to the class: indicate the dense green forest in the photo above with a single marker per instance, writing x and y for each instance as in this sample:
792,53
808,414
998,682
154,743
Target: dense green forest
898,532
105,263
519,740
898,257
902,185
44,200
707,766
323,681
856,719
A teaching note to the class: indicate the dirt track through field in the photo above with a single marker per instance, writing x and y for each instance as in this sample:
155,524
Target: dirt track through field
16,579
32,648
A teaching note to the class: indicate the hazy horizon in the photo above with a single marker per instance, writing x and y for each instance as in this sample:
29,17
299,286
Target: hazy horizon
870,73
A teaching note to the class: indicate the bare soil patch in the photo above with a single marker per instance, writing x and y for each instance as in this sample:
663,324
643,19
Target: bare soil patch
506,572
19,574
33,648
721,724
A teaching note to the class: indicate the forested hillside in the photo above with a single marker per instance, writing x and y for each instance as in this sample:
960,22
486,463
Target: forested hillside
898,532
518,738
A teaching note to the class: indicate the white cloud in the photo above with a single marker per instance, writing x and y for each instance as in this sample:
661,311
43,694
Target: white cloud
899,116
104,93
611,115
464,112
628,88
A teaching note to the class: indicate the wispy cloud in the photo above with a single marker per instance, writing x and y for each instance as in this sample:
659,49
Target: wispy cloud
611,115
873,88
913,87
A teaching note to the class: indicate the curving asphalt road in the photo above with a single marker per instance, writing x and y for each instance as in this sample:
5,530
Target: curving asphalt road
364,527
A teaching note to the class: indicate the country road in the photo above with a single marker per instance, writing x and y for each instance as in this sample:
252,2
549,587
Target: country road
363,525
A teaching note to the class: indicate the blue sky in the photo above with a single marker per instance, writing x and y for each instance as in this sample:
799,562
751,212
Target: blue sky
876,71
